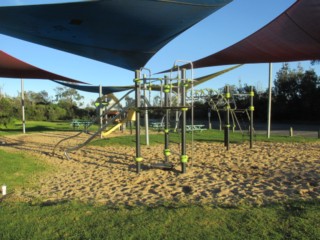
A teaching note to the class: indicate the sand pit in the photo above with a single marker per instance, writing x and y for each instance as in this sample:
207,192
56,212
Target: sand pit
268,173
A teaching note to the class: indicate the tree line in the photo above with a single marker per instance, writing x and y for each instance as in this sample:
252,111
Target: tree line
39,106
295,97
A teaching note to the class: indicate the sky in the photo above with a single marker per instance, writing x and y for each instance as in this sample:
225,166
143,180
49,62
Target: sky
230,24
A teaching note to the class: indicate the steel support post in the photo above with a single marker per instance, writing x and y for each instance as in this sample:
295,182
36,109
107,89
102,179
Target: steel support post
146,113
251,116
167,89
22,106
184,157
227,117
269,101
138,101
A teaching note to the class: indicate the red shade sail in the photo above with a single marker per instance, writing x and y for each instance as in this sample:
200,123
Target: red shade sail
293,36
11,67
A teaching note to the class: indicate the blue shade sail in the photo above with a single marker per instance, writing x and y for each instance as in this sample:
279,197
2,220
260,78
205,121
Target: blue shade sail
124,33
95,89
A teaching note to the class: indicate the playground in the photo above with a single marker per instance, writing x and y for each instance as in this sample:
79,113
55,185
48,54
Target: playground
269,173
109,172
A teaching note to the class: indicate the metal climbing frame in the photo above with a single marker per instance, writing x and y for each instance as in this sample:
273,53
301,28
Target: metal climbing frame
218,102
227,117
167,86
226,102
228,112
97,133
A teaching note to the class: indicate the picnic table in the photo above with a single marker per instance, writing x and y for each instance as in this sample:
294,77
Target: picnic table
200,128
76,123
157,125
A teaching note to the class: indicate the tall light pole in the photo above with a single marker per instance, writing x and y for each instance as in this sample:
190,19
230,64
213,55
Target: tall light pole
100,108
269,100
22,106
146,114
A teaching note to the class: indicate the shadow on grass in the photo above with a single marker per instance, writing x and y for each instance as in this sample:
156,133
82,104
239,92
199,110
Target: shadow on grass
36,129
53,203
295,208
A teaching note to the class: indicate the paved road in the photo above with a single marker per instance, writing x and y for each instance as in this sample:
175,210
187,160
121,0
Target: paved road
307,130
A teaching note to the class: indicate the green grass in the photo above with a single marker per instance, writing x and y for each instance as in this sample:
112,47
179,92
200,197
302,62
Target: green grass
76,220
20,170
205,136
155,137
40,126
72,220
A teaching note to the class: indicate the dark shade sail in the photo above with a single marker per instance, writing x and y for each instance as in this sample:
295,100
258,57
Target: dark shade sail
114,89
124,33
96,89
293,36
11,67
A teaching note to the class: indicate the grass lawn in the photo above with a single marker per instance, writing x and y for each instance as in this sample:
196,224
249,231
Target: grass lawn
73,220
76,220
20,170
205,136
40,126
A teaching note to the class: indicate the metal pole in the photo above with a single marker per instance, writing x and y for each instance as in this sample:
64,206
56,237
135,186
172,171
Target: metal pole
184,157
220,125
166,124
269,101
146,115
227,120
251,116
100,108
138,100
22,105
291,132
209,118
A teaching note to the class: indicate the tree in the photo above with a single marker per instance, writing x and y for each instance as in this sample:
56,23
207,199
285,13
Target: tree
7,110
286,84
309,93
285,93
129,101
68,95
54,112
313,62
297,94
38,98
69,99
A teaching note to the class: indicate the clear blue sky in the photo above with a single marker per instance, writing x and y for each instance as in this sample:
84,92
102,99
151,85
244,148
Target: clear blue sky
223,28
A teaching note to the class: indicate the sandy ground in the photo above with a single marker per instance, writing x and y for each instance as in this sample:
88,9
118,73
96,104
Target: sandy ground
268,173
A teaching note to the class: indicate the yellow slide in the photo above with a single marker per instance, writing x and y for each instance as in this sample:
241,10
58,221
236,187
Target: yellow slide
104,134
131,116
